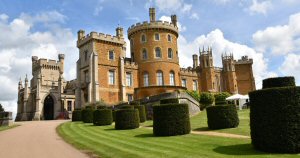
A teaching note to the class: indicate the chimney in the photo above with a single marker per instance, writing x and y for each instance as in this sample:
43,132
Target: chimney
195,60
152,14
174,20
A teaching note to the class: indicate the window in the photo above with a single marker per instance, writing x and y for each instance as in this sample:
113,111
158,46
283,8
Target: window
144,54
69,105
131,43
85,55
86,76
146,79
172,78
130,97
156,37
159,78
111,77
111,55
128,79
183,82
157,52
170,53
169,38
143,38
195,85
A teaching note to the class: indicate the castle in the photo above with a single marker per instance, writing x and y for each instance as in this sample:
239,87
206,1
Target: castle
105,73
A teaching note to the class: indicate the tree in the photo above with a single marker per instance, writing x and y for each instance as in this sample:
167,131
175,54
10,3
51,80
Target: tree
1,108
206,99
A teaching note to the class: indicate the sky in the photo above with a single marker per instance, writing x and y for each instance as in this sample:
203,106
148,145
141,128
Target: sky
266,30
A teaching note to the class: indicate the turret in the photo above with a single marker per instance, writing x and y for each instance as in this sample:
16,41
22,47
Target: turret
195,60
20,86
80,34
174,20
152,14
119,32
229,75
61,59
206,58
228,62
26,88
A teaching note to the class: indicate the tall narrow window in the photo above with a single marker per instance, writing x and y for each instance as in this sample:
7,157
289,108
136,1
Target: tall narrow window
172,78
111,77
183,82
146,79
111,55
143,38
85,55
170,53
159,78
130,97
69,105
128,79
169,38
156,37
195,85
86,76
144,54
157,52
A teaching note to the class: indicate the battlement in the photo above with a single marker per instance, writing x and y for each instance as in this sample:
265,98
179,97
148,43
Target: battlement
152,25
244,60
227,57
82,39
207,52
130,64
188,71
46,63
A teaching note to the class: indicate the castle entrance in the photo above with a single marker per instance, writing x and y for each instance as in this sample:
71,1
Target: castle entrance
49,108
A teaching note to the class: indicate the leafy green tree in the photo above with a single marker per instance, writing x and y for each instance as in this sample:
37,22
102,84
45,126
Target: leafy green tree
194,94
1,108
206,99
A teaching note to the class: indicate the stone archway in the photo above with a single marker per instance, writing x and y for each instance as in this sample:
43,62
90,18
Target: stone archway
48,108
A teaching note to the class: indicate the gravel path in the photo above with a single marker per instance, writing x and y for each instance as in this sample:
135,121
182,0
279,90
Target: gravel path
36,139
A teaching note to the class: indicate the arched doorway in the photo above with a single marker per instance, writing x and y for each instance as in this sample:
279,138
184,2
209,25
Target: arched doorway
49,108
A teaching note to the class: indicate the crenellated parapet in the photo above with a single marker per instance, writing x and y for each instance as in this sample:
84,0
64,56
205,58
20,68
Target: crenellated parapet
47,63
82,39
188,71
130,64
244,60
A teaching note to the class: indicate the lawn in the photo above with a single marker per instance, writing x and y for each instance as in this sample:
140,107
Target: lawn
107,142
2,128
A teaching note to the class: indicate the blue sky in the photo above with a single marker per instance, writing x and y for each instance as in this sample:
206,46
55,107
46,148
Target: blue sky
266,30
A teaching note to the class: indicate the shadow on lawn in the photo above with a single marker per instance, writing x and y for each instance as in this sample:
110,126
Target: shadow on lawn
144,135
239,149
202,129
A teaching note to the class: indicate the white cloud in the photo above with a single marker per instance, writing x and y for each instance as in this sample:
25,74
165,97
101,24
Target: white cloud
260,7
194,16
281,39
291,66
222,1
98,7
170,6
181,28
220,45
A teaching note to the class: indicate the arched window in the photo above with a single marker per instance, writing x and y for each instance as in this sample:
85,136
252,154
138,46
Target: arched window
157,52
143,38
156,37
170,53
172,78
144,54
159,78
169,38
146,79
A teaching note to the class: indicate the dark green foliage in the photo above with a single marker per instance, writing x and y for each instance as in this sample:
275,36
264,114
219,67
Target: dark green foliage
127,107
1,108
279,82
102,117
135,103
222,116
206,99
87,115
171,119
194,94
114,115
76,115
101,107
275,119
221,97
127,119
169,101
142,112
221,103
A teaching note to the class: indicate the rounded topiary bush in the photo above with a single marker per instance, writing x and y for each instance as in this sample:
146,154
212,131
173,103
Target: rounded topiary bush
220,98
206,99
222,116
171,119
76,115
127,119
279,82
102,117
275,119
87,115
142,112
127,107
169,101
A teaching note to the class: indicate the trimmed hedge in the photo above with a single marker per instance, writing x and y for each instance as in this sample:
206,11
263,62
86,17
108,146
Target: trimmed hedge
127,119
279,82
87,115
221,103
76,115
221,97
102,117
169,101
275,119
127,107
114,114
135,103
206,99
142,112
222,116
171,119
101,107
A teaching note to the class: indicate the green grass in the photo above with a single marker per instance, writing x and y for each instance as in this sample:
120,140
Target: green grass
2,128
105,141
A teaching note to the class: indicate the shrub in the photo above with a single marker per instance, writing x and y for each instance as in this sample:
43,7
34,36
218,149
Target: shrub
76,115
206,99
221,97
87,115
275,119
169,101
171,119
194,94
101,107
102,117
221,103
114,114
127,107
1,108
127,119
279,82
142,112
135,103
222,116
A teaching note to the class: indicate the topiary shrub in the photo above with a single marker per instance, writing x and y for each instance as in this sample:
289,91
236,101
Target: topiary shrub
275,119
194,94
169,101
220,98
127,107
206,99
101,107
114,114
135,103
127,119
142,112
87,115
171,119
221,103
102,117
279,82
76,115
222,116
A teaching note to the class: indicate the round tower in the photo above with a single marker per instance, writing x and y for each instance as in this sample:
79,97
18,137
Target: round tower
154,49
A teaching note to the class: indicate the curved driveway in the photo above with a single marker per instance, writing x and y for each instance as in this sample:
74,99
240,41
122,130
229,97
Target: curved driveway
36,139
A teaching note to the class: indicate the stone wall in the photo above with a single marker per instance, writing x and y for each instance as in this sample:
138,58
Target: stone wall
6,119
